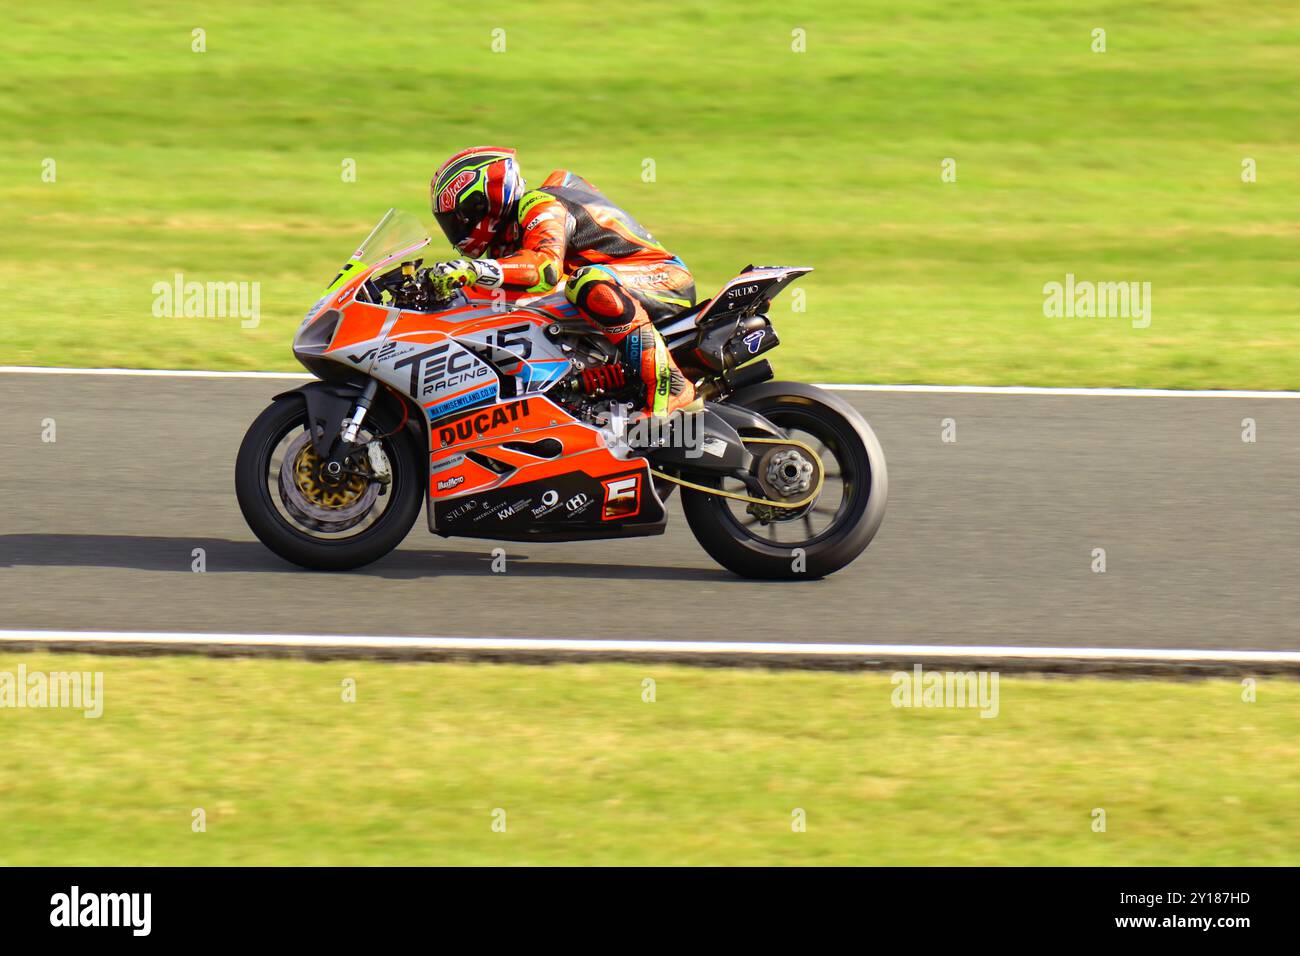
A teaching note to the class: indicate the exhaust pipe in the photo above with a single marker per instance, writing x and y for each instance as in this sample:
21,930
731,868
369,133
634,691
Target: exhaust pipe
747,375
734,379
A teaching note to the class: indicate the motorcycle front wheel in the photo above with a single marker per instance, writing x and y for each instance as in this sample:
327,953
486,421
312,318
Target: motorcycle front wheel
825,535
327,525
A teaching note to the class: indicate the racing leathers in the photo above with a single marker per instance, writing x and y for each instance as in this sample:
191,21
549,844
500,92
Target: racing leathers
616,274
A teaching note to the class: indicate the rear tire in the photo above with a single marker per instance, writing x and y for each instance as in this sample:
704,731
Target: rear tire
803,407
295,544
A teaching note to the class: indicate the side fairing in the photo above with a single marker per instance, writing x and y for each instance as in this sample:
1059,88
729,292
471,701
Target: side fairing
448,362
504,460
526,467
441,374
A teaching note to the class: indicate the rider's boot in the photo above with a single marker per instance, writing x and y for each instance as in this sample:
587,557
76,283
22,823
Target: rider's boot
597,292
667,389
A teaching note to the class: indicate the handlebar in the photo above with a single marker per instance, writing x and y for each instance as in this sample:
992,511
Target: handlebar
414,288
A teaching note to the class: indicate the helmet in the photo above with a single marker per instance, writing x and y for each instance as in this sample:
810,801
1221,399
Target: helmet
473,194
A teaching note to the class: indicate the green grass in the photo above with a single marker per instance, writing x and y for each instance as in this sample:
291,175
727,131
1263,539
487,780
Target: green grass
587,772
1119,166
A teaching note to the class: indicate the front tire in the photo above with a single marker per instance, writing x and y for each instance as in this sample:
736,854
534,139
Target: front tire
280,529
857,511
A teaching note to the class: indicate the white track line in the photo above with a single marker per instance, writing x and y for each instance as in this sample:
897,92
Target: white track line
835,386
909,651
1087,392
155,372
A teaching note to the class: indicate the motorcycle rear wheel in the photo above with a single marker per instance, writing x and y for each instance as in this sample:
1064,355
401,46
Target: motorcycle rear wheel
828,534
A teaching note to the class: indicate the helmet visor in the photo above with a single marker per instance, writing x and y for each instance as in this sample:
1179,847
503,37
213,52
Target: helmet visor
458,223
455,226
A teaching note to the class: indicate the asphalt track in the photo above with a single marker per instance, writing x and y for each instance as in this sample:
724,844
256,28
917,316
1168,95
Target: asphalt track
987,541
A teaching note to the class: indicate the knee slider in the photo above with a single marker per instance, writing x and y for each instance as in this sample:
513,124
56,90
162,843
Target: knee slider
598,293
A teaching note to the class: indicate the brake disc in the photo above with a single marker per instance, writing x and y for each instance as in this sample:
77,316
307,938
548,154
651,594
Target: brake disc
328,507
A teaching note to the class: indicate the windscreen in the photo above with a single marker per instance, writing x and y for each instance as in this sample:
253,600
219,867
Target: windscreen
398,234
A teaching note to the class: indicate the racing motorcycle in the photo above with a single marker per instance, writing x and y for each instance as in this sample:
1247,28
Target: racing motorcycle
511,417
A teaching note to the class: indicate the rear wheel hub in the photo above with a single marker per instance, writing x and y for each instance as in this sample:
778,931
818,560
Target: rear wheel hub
784,472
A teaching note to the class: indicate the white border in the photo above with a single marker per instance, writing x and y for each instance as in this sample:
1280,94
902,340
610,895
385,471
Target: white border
908,651
1088,392
154,372
834,386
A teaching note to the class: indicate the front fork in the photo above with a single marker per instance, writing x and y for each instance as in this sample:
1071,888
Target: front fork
352,426
335,467
335,414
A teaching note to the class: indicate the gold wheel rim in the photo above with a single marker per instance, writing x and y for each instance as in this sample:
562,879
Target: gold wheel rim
306,470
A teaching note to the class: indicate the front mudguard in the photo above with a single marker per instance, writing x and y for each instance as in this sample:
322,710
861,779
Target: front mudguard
329,403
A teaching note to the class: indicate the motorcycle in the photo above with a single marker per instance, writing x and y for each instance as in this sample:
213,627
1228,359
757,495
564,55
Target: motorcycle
509,417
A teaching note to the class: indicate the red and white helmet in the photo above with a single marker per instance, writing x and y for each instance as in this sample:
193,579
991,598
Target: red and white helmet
474,194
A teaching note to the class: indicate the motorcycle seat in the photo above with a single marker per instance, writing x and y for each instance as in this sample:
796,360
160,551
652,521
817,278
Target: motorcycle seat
683,319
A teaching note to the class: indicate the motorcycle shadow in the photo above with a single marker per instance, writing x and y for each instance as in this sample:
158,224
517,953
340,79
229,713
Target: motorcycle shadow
183,554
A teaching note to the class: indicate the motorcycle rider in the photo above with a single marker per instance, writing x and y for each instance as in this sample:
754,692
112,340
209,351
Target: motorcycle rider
524,240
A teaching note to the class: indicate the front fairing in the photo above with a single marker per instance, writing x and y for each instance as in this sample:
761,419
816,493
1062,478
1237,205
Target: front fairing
395,239
478,346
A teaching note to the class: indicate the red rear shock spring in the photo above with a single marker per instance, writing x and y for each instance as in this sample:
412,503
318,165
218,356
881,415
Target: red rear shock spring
603,377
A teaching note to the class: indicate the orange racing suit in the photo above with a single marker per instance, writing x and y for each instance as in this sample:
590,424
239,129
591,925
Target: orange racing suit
616,274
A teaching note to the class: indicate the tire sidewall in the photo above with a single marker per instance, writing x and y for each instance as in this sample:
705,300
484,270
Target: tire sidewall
259,510
729,545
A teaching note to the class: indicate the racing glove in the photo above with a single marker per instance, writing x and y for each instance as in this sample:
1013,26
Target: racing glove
449,276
